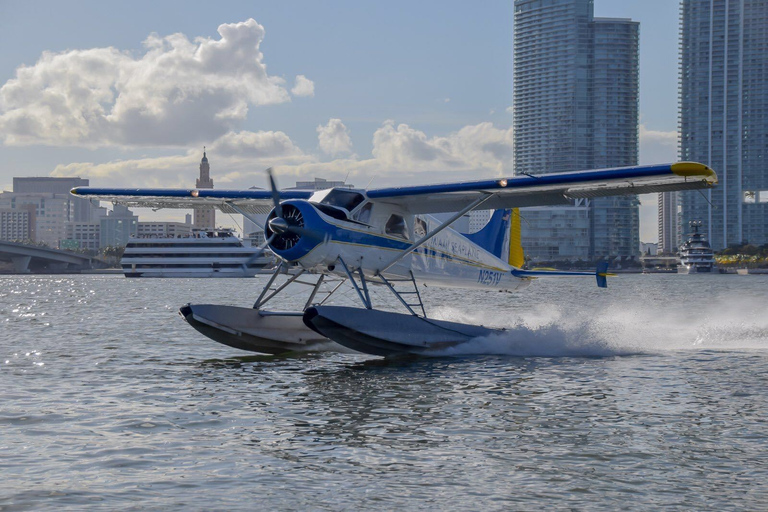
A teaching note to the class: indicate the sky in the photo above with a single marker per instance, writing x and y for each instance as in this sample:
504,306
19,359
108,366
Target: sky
377,93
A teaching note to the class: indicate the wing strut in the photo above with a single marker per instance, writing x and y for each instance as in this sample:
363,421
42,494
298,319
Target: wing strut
362,294
474,204
280,288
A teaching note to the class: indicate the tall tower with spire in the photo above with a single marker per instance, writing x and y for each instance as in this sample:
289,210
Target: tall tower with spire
205,218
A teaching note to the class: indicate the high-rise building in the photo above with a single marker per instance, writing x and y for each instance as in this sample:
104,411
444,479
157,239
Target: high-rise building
615,221
575,107
724,116
669,224
205,218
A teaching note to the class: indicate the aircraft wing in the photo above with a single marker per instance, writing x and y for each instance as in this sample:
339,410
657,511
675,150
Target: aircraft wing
519,191
251,201
549,189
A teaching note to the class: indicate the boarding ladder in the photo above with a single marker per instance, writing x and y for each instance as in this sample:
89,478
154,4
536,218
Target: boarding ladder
419,304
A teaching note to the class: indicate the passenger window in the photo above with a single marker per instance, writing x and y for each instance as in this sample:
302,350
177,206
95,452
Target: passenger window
419,229
396,226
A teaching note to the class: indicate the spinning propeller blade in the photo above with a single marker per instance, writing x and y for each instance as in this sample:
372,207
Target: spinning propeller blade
259,252
275,193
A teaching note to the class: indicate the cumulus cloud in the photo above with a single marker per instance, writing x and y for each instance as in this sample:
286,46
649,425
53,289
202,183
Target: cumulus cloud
303,86
666,138
237,159
178,92
256,145
481,147
400,154
334,138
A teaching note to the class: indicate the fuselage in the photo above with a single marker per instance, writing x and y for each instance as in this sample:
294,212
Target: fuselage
372,236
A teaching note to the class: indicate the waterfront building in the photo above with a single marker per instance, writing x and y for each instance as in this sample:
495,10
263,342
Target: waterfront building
83,235
54,207
669,223
320,184
649,248
118,227
724,116
575,107
52,212
18,223
615,221
164,229
83,210
205,218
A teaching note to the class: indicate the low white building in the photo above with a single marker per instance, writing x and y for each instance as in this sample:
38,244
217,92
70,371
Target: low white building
164,229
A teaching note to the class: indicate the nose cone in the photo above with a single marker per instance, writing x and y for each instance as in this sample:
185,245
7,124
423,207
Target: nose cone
278,225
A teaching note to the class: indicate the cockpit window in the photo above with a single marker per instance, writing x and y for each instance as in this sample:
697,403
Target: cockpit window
364,215
341,198
396,226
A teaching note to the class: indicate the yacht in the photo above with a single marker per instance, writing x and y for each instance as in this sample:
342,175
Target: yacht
696,255
203,253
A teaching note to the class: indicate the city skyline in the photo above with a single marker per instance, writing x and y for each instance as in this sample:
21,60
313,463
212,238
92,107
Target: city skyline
327,109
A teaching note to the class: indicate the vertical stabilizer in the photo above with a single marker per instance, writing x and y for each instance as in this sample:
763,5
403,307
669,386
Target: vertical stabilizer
491,237
516,256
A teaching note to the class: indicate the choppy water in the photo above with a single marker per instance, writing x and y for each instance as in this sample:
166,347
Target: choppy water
649,395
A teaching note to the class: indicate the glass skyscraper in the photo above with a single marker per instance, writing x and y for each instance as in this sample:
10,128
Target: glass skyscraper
724,116
576,107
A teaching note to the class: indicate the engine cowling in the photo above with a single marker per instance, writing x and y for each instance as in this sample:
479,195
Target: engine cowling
298,229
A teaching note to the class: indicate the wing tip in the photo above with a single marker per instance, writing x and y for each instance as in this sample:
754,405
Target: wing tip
693,170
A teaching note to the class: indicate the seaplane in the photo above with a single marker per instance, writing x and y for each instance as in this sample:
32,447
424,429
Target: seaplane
388,238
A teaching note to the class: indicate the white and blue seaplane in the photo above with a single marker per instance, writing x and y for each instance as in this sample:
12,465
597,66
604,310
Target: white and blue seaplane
386,237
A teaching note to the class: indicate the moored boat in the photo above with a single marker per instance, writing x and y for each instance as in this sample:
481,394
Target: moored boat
203,253
696,255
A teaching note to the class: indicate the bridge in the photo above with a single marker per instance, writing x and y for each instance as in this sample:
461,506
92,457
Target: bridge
28,258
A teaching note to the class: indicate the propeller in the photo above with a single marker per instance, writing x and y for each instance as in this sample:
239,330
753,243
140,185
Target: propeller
275,193
285,225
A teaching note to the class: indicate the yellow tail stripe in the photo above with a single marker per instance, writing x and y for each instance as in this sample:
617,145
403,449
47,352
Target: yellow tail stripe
516,256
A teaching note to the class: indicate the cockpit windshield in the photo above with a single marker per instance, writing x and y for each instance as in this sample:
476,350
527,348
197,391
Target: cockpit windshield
341,198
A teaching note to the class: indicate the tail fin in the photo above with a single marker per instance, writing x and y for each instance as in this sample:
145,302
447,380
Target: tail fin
491,237
516,256
601,274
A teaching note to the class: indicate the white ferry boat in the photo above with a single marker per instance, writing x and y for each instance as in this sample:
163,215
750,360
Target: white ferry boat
696,255
203,253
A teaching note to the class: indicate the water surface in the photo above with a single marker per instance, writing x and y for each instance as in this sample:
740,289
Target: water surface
648,395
